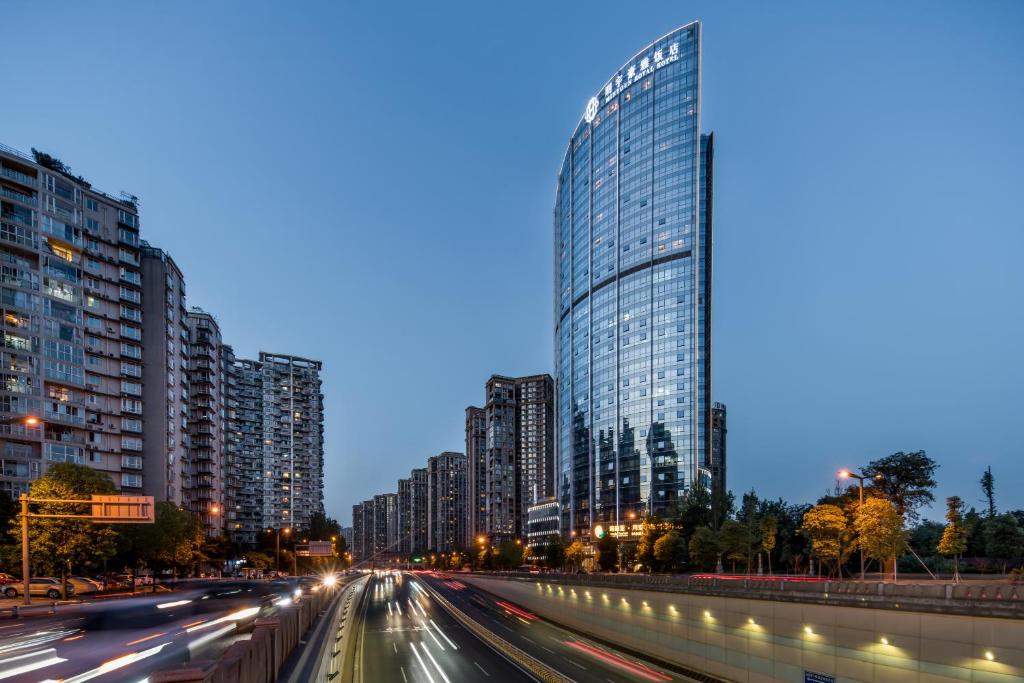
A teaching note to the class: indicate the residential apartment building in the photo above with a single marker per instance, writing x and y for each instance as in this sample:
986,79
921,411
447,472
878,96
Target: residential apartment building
510,445
244,441
476,463
385,524
206,484
71,341
446,501
165,377
418,516
293,431
362,531
717,462
405,516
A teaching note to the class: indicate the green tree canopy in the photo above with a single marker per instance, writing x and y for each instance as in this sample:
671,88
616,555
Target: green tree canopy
905,479
554,552
510,555
734,541
1004,538
704,550
607,553
59,545
670,550
988,487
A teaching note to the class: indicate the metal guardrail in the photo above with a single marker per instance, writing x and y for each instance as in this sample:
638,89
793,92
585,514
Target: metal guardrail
512,653
331,662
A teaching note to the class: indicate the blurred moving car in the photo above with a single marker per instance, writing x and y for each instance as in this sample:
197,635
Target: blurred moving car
40,586
6,579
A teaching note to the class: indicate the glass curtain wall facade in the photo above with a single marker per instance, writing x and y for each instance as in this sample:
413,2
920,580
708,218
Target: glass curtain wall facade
632,254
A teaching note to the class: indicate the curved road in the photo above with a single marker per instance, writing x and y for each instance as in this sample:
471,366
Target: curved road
406,637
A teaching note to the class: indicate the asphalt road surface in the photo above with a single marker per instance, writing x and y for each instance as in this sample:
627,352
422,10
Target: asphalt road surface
577,657
125,640
406,637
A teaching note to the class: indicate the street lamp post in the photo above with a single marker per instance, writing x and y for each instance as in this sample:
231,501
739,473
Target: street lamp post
847,474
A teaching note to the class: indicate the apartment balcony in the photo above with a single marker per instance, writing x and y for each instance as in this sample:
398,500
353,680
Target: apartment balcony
9,193
18,176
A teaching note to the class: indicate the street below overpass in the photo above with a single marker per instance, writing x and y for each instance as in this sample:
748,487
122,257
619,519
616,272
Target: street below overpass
407,636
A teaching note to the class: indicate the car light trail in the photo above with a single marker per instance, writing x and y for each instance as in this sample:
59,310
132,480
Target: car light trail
204,639
112,665
447,639
426,650
515,610
176,603
142,640
625,664
423,664
20,666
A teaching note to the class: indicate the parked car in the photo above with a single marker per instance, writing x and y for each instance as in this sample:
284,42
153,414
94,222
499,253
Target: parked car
84,585
44,586
140,580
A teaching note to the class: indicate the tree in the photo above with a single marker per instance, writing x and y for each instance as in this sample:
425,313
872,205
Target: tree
554,552
510,554
607,553
827,527
258,560
704,550
324,528
650,531
575,554
751,520
670,550
905,479
58,545
734,540
880,532
954,536
769,533
1004,538
988,486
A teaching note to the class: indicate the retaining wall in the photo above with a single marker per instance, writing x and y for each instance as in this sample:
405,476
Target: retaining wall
759,640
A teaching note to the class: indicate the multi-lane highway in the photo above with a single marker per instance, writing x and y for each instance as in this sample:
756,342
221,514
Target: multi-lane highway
408,637
124,640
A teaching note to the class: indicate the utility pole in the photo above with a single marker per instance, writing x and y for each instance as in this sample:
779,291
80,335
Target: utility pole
26,598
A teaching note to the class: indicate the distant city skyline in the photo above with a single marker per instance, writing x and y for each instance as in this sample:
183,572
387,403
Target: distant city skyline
348,182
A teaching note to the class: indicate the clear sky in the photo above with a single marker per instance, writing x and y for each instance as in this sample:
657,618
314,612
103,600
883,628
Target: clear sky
371,184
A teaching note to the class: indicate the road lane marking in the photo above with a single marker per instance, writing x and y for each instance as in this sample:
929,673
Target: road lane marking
530,639
394,647
422,663
481,669
447,639
439,669
576,664
547,649
403,674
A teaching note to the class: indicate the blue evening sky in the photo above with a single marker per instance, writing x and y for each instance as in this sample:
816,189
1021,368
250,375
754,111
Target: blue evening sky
371,184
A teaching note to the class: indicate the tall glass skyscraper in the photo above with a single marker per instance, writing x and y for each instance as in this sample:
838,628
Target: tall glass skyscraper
633,293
